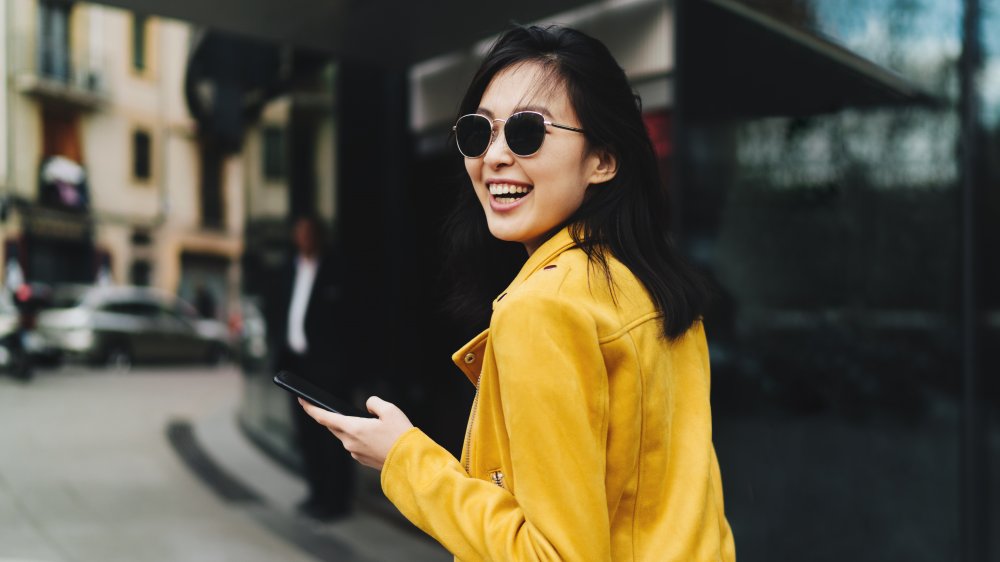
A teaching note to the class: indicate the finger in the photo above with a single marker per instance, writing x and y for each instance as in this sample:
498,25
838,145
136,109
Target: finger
330,419
378,406
310,409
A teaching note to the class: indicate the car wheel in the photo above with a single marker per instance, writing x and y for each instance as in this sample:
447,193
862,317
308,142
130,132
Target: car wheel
118,358
22,367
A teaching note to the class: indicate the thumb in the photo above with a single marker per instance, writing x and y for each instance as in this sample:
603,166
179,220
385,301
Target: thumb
379,407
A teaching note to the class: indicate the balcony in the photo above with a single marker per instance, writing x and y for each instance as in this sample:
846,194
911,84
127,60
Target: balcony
62,75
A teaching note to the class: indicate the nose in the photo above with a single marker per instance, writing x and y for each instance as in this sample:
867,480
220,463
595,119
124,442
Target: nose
497,154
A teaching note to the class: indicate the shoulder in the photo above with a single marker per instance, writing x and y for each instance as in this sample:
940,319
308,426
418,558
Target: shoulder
575,290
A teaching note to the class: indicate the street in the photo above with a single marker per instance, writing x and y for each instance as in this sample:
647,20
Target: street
90,472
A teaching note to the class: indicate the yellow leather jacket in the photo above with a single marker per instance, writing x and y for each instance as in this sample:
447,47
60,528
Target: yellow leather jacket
590,437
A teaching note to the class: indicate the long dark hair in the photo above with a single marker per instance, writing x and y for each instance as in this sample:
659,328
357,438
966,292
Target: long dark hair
627,217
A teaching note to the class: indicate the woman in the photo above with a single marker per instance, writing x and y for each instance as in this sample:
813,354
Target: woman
590,435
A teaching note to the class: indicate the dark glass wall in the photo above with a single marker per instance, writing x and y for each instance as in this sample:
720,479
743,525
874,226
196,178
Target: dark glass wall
835,243
990,242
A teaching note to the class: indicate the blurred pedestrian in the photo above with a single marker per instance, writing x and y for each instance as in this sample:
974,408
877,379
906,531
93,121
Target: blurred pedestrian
204,301
301,318
590,437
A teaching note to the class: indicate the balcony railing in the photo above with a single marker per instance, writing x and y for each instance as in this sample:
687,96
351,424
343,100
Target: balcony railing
62,74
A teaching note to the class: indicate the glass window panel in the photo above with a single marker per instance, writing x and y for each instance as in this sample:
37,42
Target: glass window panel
141,154
274,155
139,42
834,243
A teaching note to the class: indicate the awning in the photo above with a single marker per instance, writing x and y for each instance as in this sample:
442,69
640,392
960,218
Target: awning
390,33
736,62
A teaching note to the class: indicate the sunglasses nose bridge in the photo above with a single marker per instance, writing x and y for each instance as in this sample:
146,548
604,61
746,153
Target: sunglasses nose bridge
498,126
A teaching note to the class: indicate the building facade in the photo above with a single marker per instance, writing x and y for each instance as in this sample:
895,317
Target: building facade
102,177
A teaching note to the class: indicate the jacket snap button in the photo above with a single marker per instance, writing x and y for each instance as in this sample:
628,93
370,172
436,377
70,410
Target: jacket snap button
470,358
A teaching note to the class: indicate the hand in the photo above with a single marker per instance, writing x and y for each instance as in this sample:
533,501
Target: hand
367,439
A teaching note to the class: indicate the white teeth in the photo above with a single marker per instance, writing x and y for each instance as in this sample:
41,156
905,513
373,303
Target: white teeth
506,188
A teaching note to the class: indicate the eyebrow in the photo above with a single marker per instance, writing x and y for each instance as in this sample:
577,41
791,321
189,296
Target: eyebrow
536,108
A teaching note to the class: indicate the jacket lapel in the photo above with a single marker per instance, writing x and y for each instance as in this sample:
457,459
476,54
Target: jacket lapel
470,358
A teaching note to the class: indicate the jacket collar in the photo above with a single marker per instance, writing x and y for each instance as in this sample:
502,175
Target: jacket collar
470,358
548,251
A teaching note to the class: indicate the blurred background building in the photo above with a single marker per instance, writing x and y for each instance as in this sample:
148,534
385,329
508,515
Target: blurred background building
835,170
104,167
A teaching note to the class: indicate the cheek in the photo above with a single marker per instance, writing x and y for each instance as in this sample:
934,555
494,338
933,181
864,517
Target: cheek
473,167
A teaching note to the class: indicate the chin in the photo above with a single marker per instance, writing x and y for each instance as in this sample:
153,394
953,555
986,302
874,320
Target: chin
505,234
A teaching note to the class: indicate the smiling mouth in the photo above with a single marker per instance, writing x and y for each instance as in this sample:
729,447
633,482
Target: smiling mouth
506,193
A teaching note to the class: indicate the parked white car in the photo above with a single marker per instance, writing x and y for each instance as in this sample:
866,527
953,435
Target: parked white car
122,325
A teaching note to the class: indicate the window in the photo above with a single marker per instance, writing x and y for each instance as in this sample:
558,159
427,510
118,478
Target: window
141,237
53,40
131,308
274,154
139,54
140,273
141,155
212,211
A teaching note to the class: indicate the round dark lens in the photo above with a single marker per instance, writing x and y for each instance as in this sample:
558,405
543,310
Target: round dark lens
472,134
524,133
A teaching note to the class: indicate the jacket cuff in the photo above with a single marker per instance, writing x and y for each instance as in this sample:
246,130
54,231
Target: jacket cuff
413,460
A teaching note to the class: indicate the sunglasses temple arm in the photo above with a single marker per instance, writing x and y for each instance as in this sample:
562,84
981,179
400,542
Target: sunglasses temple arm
564,127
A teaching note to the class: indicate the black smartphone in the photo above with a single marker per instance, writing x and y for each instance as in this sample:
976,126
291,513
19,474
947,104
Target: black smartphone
316,395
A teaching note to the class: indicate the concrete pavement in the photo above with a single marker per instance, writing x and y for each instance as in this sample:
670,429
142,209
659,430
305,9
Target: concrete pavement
88,472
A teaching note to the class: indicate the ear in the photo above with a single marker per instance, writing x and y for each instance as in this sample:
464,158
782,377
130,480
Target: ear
605,167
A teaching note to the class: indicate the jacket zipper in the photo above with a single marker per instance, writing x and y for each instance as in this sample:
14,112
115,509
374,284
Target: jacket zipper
468,430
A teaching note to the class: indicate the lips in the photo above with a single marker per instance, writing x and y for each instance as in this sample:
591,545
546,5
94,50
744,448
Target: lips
508,193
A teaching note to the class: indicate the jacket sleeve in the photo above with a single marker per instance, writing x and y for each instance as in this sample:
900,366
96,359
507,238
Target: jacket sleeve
553,386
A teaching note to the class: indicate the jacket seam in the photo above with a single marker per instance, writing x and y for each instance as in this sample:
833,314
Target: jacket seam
642,435
628,327
624,329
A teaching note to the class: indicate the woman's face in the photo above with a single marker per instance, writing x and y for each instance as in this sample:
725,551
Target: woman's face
553,180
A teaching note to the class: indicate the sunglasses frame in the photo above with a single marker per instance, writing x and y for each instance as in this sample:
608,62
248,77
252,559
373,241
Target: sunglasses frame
494,132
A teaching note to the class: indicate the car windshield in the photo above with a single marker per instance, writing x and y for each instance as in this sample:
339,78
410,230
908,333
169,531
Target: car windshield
185,310
67,297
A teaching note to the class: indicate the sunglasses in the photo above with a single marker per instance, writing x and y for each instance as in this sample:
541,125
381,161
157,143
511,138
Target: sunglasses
524,132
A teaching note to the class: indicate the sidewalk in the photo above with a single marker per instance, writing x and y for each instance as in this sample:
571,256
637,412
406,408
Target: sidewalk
97,467
274,493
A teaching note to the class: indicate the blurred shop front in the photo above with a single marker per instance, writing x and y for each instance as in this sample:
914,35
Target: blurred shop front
51,240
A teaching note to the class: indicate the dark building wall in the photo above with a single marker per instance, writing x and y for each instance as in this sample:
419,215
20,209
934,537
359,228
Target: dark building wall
394,338
391,208
838,335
